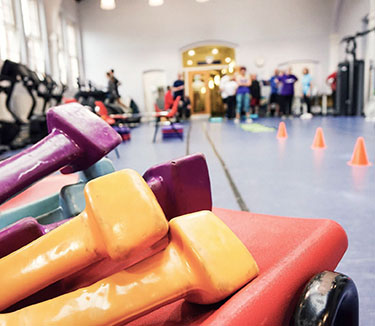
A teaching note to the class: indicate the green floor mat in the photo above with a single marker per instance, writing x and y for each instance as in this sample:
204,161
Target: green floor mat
256,127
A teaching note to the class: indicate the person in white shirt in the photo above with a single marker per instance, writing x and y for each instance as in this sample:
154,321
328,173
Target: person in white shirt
228,87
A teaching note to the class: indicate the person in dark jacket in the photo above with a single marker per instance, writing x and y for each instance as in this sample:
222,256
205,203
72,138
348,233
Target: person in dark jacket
255,94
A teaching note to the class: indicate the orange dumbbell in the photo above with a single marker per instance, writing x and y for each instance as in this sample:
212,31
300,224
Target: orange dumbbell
203,263
122,217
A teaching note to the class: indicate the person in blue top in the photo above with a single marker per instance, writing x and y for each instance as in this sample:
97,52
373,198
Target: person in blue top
306,88
243,95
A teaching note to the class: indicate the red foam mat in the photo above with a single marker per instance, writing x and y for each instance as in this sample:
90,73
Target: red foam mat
289,251
42,189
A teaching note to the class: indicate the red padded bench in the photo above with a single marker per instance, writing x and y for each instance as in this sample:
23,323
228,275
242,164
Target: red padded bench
289,251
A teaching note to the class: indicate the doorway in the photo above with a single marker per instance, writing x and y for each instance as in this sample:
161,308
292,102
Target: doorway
204,92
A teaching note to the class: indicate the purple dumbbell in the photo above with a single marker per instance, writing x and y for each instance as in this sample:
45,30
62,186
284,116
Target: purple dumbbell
181,186
23,232
78,138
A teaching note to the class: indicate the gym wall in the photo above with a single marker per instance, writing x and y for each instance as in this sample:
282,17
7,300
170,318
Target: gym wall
136,37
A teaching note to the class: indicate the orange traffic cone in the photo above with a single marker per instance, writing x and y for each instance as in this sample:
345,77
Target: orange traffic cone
319,142
281,133
359,157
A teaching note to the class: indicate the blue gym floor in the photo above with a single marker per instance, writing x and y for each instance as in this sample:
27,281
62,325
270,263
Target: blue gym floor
285,178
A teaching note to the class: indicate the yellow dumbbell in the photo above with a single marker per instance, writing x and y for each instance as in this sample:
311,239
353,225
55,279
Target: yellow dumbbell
122,218
203,263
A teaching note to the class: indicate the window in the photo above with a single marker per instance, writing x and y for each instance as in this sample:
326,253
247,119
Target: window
9,36
61,56
71,35
34,43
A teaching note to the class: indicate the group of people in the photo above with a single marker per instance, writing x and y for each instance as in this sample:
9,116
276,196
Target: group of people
241,93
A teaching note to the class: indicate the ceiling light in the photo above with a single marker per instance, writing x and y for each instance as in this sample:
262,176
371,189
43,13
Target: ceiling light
190,62
209,60
211,84
155,3
227,59
191,52
203,90
215,51
107,4
202,0
217,80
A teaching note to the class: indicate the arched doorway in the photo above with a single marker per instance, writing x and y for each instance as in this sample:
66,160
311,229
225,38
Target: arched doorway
203,66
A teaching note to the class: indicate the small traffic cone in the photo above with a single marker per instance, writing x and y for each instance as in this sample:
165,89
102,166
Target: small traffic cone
281,133
319,142
359,157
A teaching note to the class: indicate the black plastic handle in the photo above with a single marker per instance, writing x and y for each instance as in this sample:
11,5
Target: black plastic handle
329,299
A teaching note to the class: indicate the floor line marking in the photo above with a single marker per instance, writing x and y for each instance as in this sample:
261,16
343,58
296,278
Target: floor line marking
188,139
233,186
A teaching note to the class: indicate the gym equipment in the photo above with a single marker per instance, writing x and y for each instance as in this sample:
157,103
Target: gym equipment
168,115
328,299
9,130
173,131
359,157
204,263
67,203
281,132
77,140
117,123
319,142
46,89
114,224
350,78
92,96
177,192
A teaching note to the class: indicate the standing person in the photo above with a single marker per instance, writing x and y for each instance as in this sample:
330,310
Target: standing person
255,94
228,87
116,82
113,84
332,81
179,87
274,97
179,90
306,89
287,82
243,94
224,95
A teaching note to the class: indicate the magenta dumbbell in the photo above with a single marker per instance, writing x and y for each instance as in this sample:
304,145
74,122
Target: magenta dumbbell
78,138
21,233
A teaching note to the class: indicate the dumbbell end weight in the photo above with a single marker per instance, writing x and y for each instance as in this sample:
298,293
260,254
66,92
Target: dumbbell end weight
182,186
92,135
77,139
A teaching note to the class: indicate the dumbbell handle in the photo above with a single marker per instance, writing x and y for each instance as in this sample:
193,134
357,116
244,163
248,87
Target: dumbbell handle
23,232
122,297
70,247
50,154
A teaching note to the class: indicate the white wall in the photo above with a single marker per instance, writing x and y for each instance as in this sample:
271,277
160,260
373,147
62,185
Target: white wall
136,37
350,21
